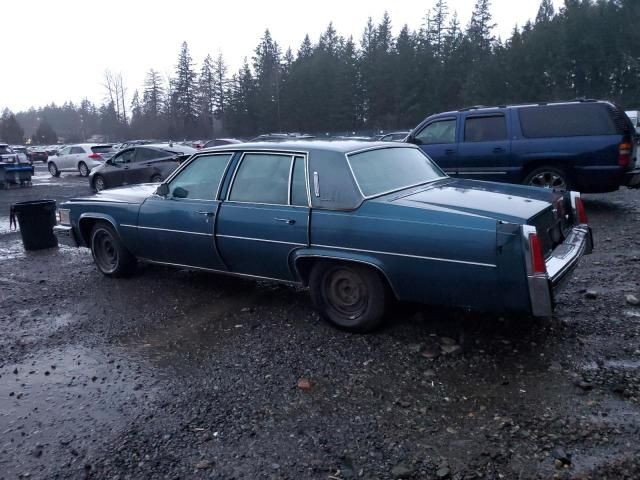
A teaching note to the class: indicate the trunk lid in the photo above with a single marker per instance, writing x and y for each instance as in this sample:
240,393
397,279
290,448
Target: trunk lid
544,209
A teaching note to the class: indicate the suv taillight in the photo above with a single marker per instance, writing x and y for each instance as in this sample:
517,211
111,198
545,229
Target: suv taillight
624,153
95,156
537,258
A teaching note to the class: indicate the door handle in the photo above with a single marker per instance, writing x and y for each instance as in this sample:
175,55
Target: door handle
449,151
288,221
208,214
498,150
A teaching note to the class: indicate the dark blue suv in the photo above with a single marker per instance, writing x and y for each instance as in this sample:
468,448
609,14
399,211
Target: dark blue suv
587,146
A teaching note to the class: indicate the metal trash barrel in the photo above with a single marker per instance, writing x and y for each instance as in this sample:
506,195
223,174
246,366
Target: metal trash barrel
36,219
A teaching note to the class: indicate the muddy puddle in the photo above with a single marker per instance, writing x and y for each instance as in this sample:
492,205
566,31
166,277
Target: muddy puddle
68,401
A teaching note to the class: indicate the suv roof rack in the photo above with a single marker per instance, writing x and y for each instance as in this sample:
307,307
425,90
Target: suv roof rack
474,107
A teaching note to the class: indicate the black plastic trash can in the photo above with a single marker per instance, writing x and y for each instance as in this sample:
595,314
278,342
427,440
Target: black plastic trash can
36,220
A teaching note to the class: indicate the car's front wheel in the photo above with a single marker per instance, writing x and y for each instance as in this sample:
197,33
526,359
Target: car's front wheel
548,177
109,253
53,170
83,169
352,297
98,183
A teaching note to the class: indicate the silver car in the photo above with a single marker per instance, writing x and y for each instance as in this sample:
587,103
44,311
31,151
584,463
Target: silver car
81,157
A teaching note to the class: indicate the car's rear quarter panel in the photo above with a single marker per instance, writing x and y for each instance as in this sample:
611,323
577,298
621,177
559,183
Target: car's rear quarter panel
429,256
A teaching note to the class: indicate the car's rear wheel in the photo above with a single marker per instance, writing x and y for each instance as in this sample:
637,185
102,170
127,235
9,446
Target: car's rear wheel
109,253
98,183
53,170
548,177
83,169
350,296
156,178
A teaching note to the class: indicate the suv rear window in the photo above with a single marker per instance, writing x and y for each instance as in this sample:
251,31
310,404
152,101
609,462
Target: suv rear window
102,149
4,149
485,129
567,121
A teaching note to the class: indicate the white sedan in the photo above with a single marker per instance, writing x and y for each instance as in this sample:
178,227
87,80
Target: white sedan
80,158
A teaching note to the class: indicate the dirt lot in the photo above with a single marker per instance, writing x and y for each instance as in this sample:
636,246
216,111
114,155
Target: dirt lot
175,374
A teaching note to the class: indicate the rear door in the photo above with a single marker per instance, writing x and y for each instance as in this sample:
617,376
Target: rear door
438,139
141,167
266,215
484,152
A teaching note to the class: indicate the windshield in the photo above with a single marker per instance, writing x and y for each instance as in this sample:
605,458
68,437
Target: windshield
388,169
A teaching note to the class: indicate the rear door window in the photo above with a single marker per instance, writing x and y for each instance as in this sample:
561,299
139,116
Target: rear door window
485,129
566,121
147,154
299,184
262,178
75,150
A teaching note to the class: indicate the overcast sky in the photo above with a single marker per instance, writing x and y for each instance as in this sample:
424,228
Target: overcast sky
54,51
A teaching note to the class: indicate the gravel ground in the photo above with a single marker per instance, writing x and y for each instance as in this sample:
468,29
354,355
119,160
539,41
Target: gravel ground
176,374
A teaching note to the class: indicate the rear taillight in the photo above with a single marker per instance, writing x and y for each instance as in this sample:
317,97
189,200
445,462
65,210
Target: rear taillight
95,156
581,214
537,258
624,154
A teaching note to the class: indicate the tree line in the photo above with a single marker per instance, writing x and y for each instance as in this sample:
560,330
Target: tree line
376,82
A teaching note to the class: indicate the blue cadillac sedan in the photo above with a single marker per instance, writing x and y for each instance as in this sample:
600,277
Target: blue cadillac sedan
360,223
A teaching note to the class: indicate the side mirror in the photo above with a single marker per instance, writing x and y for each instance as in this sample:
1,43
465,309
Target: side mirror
179,192
162,190
109,161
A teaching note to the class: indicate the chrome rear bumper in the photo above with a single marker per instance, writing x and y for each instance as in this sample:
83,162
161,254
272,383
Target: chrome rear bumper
562,261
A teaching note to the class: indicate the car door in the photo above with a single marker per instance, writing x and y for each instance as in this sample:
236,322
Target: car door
63,160
485,150
265,216
179,228
438,139
142,167
115,172
75,156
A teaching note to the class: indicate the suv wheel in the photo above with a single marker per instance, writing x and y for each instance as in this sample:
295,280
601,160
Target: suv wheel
53,170
83,169
548,177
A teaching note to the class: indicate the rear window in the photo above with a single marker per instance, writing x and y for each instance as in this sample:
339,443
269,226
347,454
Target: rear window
567,121
102,149
4,149
388,169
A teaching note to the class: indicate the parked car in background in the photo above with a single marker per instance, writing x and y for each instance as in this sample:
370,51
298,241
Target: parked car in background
361,223
581,145
634,116
79,158
274,137
139,164
21,151
37,154
394,137
52,149
7,155
221,141
133,143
